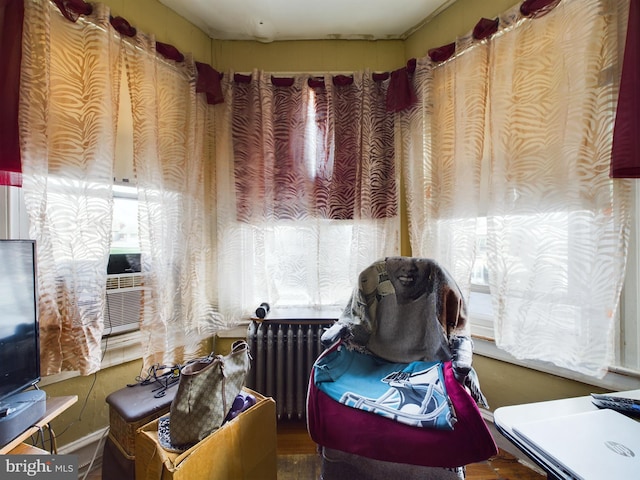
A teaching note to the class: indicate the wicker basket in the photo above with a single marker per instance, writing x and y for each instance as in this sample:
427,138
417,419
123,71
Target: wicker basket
132,407
123,433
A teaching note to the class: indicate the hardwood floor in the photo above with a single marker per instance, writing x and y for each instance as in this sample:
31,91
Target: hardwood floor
295,446
293,439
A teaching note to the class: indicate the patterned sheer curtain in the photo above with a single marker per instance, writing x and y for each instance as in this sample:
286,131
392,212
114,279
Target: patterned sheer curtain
558,226
68,106
518,128
443,147
307,188
172,151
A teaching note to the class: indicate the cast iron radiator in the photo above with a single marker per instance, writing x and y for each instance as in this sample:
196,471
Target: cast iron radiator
282,354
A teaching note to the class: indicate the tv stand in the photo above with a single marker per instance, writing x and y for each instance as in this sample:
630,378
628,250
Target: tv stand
54,407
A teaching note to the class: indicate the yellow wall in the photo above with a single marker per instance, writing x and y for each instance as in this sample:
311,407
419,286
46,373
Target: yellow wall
150,16
90,413
456,21
503,383
308,56
507,384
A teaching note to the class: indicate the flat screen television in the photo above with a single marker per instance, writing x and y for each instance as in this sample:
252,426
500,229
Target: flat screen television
19,339
19,335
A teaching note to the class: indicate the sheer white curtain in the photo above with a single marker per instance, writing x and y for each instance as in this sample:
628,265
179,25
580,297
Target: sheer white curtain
526,117
299,213
172,149
558,225
443,145
68,107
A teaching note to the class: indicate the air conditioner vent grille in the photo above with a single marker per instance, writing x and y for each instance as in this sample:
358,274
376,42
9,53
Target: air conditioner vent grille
124,296
124,280
112,283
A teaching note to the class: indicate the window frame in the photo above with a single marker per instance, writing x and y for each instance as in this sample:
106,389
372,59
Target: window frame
14,224
625,373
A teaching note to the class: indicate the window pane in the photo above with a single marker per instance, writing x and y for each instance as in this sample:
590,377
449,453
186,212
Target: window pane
480,272
124,235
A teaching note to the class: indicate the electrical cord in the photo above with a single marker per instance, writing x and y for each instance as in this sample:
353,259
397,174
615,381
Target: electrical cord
40,437
52,440
99,447
52,436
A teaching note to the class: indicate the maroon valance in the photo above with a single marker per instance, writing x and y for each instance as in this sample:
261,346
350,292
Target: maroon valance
72,9
316,82
485,28
123,27
411,65
625,154
400,94
169,51
537,8
11,15
209,83
241,78
440,54
282,81
342,80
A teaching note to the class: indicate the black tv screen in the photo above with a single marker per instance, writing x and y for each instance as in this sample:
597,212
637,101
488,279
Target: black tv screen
19,334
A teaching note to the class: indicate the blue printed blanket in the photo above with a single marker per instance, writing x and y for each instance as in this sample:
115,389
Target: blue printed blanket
413,393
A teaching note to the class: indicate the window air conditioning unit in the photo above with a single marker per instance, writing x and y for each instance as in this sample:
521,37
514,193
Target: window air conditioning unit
124,295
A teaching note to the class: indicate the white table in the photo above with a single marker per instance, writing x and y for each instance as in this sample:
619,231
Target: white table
507,417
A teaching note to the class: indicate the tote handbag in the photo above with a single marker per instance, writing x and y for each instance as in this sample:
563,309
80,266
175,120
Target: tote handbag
206,392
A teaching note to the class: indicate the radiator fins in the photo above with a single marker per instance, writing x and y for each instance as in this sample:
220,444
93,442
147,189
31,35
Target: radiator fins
283,354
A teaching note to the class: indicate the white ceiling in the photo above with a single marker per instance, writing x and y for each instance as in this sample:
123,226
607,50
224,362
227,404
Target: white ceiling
270,20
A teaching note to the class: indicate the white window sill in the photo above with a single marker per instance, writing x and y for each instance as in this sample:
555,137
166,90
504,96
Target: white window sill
619,380
122,349
293,313
239,331
481,313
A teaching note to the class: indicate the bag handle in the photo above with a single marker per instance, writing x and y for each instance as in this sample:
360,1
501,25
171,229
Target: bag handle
237,347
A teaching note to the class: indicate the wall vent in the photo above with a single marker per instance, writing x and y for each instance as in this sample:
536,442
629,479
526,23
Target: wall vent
124,297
